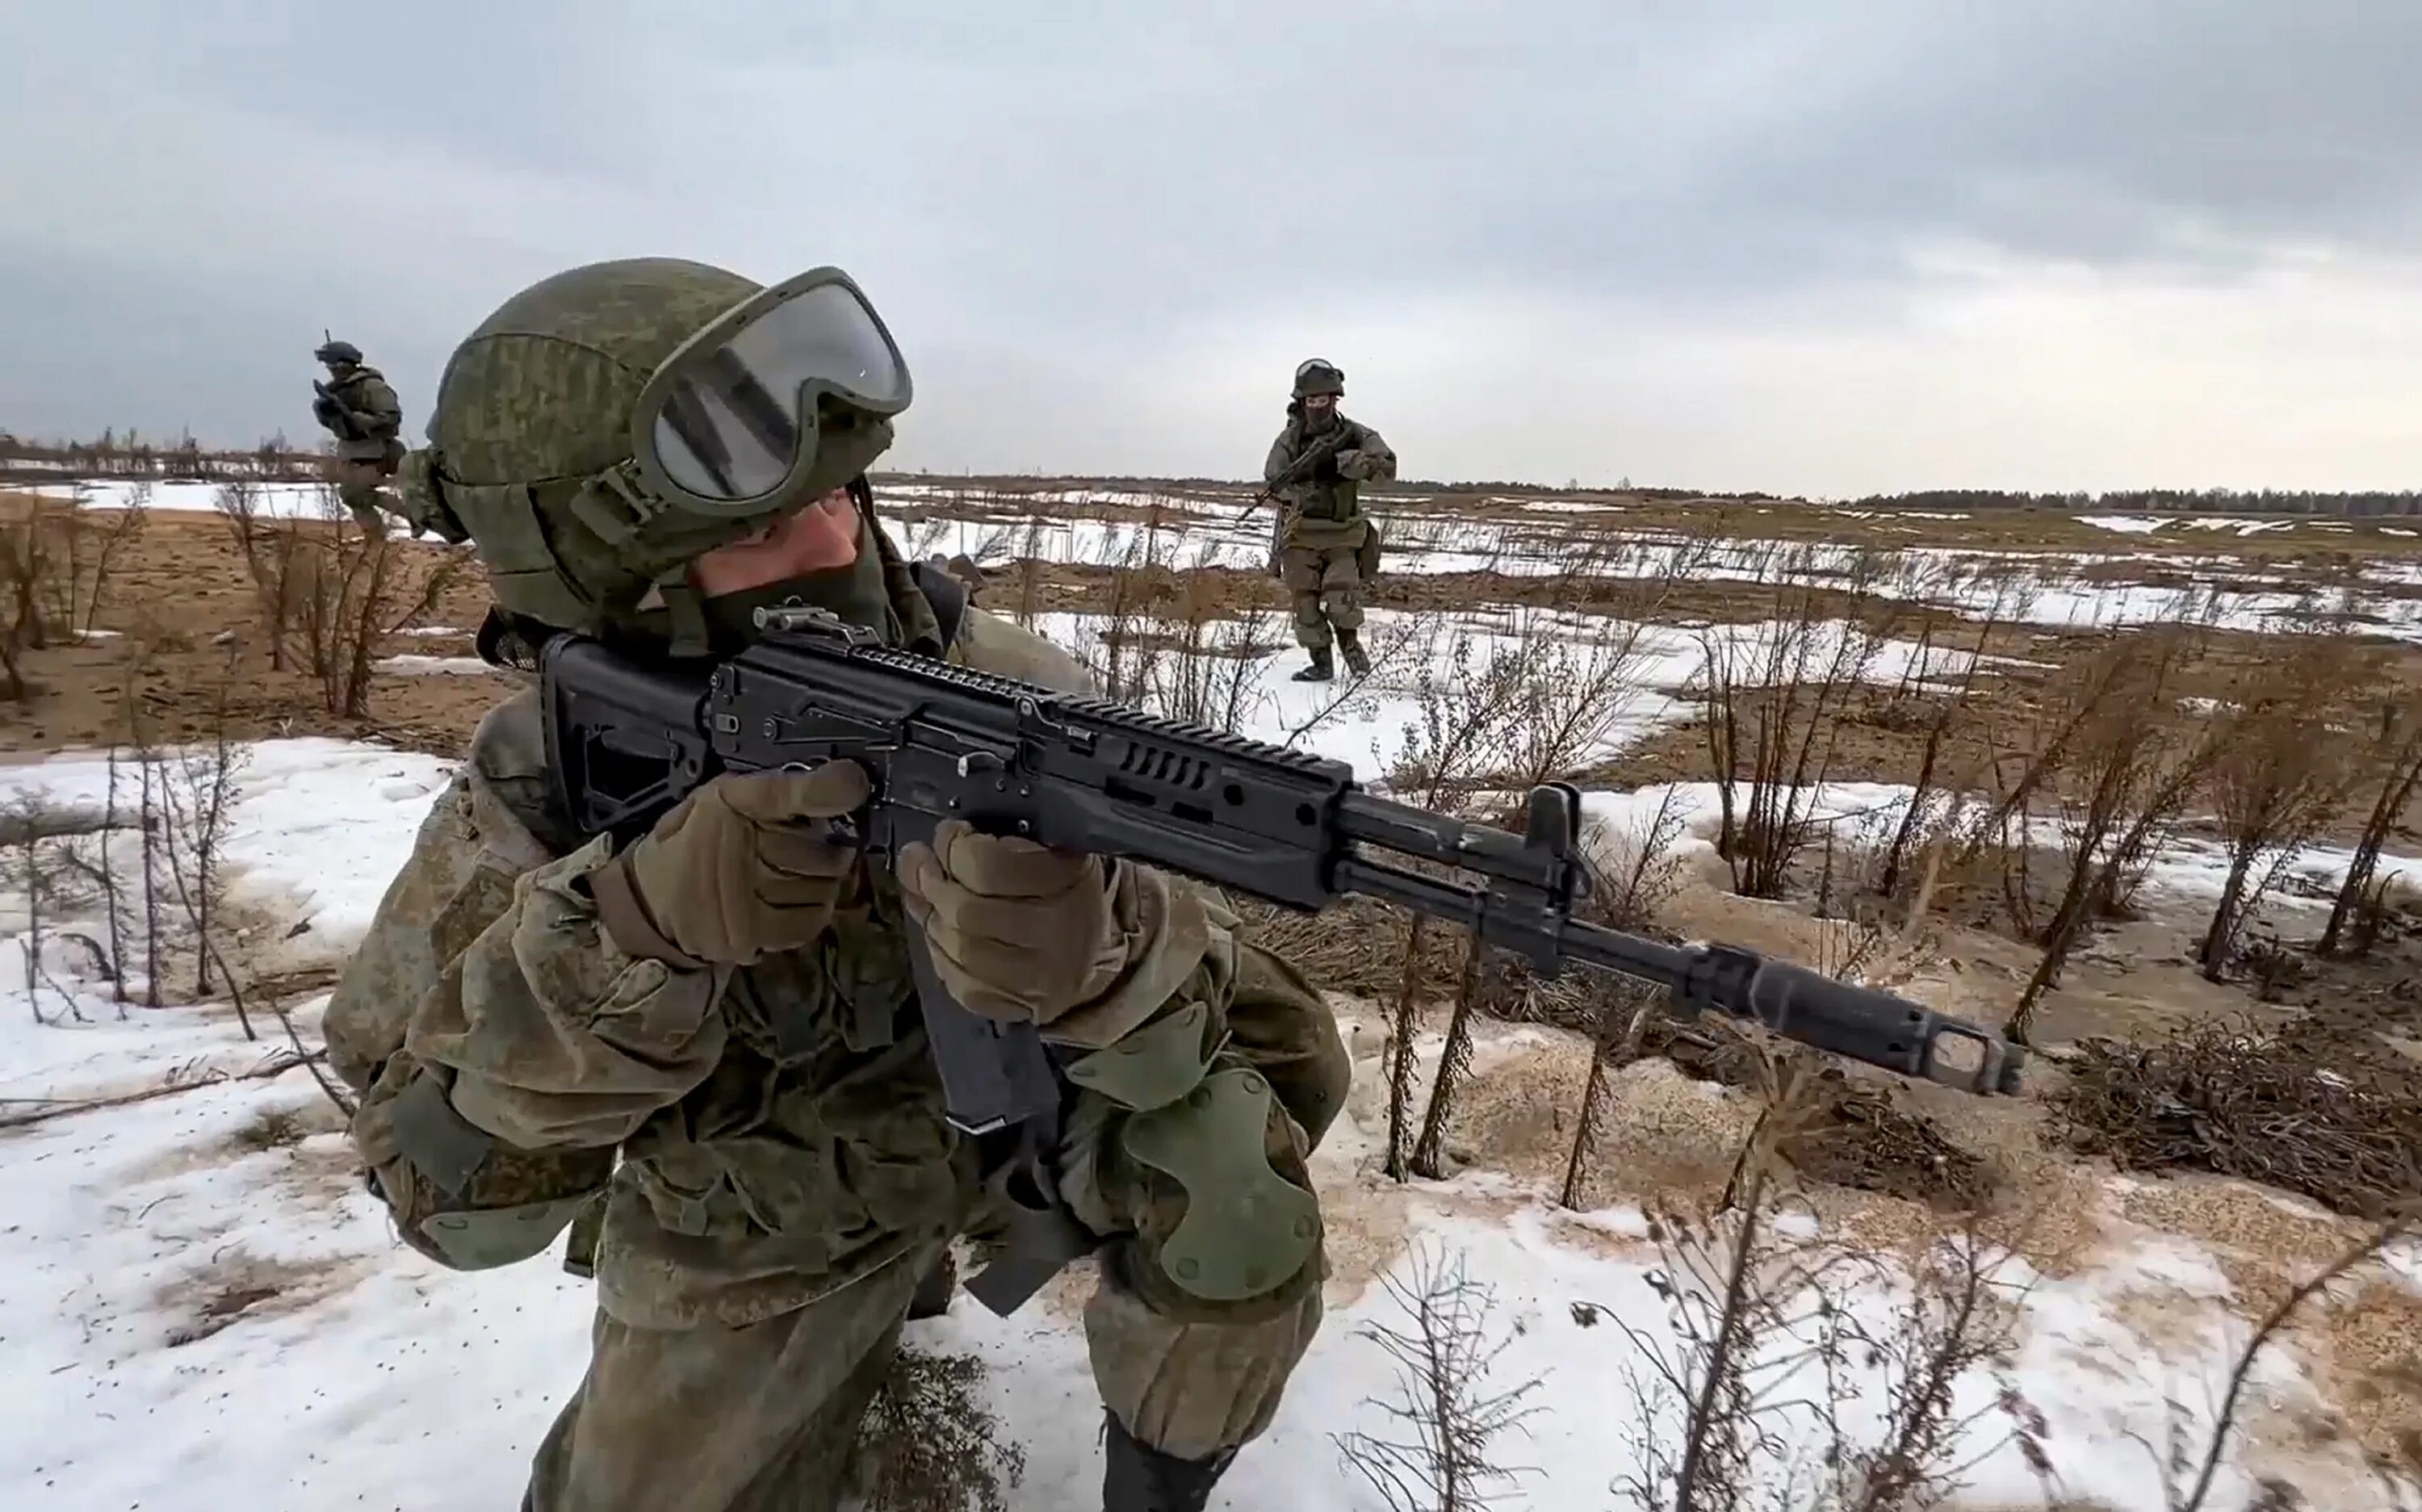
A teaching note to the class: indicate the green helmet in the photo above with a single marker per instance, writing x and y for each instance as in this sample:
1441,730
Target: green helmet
336,351
535,443
1319,376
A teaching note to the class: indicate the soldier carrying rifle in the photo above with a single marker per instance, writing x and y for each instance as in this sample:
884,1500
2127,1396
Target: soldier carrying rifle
1324,547
359,408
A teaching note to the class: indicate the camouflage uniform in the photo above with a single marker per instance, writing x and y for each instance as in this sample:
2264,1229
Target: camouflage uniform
786,1176
1326,545
366,460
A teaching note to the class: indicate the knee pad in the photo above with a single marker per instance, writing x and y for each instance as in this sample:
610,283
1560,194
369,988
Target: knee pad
1247,1230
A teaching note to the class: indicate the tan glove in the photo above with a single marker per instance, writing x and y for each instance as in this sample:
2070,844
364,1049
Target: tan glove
743,868
1019,932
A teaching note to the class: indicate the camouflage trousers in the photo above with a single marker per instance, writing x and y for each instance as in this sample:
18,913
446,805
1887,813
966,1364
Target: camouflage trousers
1326,583
761,1417
358,488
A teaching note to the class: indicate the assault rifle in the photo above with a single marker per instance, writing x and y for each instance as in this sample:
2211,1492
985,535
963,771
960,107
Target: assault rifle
1301,468
626,742
333,415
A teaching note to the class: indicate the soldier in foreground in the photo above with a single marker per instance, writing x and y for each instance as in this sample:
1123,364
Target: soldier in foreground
646,451
1327,548
358,408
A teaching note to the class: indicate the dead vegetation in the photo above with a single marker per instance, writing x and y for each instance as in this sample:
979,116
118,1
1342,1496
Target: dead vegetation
929,1443
1745,1399
2302,1114
1770,757
2394,763
2281,768
55,562
333,592
2121,751
1442,1450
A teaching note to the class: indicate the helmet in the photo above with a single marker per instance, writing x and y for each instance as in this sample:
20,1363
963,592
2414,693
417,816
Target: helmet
338,351
1319,376
586,436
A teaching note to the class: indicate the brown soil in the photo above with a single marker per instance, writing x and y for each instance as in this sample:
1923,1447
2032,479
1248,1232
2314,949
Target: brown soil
179,603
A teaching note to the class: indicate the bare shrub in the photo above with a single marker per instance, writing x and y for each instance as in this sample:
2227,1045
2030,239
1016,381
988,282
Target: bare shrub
1546,700
1957,1319
1740,1302
2279,773
928,1443
36,874
333,592
1725,1408
1770,701
2181,1494
1443,756
98,873
151,821
199,790
83,546
1626,1007
1439,1452
270,556
24,571
2132,760
1945,716
2395,758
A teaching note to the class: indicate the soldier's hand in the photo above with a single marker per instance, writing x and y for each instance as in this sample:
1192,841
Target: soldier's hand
1019,930
743,868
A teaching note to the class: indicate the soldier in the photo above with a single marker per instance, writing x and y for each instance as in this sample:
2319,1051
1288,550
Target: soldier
1327,548
646,451
360,409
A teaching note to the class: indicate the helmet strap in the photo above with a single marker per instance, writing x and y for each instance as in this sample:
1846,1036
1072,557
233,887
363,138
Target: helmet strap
686,613
613,504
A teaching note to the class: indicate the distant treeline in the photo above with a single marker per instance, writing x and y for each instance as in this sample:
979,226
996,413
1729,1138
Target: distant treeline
2158,502
134,456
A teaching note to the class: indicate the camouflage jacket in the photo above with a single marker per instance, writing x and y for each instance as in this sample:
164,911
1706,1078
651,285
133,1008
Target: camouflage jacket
372,400
780,1125
1327,514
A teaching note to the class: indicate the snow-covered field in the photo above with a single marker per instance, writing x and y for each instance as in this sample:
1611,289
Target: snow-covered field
1530,539
198,1318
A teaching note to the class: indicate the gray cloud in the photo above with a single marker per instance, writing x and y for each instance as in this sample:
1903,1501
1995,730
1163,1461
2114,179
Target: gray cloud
1106,237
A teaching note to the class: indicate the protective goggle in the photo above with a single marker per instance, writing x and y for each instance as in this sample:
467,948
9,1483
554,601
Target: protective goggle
728,420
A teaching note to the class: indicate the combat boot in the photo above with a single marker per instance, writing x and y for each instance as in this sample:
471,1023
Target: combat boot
1137,1479
1351,645
1321,669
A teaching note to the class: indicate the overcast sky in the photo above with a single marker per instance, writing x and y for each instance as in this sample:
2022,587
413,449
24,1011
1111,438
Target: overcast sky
1827,247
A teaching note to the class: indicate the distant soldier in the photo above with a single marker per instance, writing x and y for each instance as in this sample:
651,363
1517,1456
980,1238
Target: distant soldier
1327,548
357,406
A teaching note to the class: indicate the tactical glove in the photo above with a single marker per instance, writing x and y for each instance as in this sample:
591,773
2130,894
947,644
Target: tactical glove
745,867
1019,932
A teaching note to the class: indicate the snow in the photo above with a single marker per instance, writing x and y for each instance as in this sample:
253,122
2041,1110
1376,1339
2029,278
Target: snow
412,664
358,1374
2041,588
1365,723
322,822
2128,524
1563,506
282,500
